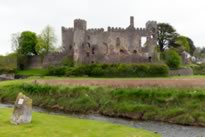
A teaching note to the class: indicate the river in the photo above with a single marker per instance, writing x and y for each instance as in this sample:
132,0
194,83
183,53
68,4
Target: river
166,130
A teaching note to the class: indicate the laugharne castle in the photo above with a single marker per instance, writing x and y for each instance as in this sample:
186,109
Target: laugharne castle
114,45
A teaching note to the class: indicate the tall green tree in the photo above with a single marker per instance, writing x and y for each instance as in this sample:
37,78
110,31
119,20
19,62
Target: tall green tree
41,48
27,43
24,45
183,43
49,38
166,33
46,42
191,45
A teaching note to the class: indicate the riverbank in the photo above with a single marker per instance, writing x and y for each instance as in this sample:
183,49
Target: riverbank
179,105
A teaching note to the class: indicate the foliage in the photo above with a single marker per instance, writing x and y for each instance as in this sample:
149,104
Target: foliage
176,105
27,43
48,39
166,33
57,71
172,58
199,69
8,63
183,42
47,125
45,42
67,62
15,41
191,46
25,46
199,52
112,70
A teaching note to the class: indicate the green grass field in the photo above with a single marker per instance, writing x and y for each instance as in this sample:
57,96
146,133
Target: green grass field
32,72
45,125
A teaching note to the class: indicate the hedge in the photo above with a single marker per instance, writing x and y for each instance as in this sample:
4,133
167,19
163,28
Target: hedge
111,70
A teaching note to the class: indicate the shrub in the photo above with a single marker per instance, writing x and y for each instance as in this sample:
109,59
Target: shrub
112,70
172,58
57,71
67,62
199,69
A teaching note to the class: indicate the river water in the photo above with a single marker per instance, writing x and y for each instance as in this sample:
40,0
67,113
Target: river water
166,130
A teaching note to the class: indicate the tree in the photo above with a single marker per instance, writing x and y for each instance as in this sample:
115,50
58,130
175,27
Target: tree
27,43
182,43
15,41
191,45
25,46
45,42
166,33
41,48
49,38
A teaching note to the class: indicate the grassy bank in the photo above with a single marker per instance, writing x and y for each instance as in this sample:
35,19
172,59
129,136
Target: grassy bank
45,125
182,106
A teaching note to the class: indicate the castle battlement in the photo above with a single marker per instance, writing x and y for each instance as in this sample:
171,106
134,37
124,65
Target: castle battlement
95,30
64,29
115,29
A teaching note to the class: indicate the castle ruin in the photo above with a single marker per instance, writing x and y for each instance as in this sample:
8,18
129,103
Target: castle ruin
90,46
116,45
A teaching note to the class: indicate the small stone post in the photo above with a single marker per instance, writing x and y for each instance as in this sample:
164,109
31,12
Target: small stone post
22,112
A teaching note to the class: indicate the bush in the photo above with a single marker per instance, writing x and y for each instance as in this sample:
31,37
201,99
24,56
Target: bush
67,62
7,70
57,71
112,70
172,58
199,69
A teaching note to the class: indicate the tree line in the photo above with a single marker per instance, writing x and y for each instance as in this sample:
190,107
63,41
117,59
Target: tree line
28,43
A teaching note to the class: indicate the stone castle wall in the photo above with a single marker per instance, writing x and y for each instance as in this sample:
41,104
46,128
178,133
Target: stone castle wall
116,45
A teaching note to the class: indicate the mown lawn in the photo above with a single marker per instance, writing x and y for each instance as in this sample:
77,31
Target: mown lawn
46,125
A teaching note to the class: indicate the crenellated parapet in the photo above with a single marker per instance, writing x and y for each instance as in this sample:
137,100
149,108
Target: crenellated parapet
95,30
141,31
64,29
115,29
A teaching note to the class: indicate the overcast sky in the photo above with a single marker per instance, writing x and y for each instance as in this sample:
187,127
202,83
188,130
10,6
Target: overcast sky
187,16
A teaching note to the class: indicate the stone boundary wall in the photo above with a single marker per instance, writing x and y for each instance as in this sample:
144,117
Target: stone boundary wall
181,72
50,59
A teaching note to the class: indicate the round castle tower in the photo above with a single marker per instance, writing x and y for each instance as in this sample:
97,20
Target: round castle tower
80,24
80,27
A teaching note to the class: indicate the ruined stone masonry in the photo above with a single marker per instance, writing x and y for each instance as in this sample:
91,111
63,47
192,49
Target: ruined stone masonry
116,45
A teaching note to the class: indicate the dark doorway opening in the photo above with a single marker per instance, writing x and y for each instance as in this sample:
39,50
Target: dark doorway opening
150,59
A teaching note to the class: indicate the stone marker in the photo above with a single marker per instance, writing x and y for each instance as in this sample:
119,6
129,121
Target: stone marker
22,110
